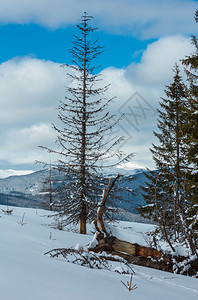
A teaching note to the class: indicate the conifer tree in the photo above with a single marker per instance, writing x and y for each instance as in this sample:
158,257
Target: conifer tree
173,188
49,188
85,119
191,133
165,192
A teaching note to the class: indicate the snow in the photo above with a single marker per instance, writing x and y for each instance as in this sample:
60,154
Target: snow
132,232
27,274
93,242
78,247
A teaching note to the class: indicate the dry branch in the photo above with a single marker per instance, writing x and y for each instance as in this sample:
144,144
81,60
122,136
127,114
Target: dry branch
115,246
101,208
92,260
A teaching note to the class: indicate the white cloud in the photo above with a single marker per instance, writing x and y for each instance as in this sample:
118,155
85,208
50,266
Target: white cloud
142,18
10,172
31,90
29,138
22,146
158,60
131,166
148,78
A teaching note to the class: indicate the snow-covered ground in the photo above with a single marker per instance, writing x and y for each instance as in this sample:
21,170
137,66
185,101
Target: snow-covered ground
27,274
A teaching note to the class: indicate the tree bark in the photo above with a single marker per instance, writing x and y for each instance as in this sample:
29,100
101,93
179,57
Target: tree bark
101,208
113,245
83,214
83,227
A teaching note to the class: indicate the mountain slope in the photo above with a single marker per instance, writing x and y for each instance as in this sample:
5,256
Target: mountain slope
25,191
27,274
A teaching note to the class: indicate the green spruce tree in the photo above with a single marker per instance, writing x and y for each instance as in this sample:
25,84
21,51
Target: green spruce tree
165,192
191,133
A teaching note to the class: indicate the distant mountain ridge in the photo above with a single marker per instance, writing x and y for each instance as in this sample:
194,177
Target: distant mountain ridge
26,184
25,190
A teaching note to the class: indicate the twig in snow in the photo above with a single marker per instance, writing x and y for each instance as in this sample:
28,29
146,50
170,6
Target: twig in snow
129,285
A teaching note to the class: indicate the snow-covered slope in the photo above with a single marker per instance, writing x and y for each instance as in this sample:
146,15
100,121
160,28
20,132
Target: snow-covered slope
26,184
23,190
27,274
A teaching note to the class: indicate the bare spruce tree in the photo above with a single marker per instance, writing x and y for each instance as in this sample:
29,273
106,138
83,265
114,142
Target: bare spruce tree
86,119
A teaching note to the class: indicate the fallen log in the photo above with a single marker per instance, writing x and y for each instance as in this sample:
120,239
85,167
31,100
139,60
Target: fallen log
137,254
111,244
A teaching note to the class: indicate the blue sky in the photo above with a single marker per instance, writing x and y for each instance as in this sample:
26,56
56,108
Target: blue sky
52,44
142,39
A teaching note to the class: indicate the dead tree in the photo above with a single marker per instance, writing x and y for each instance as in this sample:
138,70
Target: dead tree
48,191
129,253
113,245
7,211
83,148
106,242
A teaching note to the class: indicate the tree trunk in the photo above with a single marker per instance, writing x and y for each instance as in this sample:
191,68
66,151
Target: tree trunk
111,244
83,227
83,219
83,215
